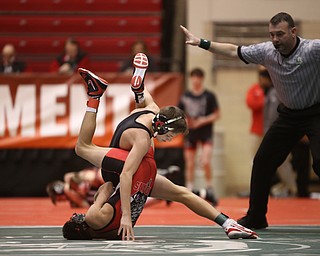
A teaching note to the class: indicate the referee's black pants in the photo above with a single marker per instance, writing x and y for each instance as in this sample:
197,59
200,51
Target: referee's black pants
282,136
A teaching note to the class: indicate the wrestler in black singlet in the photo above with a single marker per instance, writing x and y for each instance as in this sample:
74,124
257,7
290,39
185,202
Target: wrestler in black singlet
129,122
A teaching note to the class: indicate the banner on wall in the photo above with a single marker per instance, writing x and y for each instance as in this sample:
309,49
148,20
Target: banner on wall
46,110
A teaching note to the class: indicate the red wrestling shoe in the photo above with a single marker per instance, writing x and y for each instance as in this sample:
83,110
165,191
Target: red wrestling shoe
140,63
236,231
95,85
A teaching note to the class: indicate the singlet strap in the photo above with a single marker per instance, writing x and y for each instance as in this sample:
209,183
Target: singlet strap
137,114
127,123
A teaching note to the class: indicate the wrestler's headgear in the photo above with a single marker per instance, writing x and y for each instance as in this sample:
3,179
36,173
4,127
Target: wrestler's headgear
76,228
161,124
55,189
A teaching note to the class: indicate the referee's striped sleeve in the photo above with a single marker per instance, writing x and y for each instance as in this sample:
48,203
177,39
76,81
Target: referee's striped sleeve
240,55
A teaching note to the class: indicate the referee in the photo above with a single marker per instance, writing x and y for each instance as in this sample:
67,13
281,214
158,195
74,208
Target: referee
294,66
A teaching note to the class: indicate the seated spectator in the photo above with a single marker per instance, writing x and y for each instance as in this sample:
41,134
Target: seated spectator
138,46
9,64
78,188
71,59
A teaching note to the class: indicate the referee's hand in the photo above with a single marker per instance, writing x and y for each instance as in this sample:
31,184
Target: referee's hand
190,38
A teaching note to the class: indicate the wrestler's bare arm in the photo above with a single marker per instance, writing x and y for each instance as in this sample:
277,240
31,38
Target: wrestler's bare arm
103,193
140,141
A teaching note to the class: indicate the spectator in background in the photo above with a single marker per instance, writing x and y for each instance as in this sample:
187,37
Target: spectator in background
255,99
262,99
78,188
255,102
9,62
202,111
71,58
138,46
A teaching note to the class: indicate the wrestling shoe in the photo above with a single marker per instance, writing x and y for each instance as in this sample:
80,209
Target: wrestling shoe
95,85
206,194
235,231
255,223
140,63
210,197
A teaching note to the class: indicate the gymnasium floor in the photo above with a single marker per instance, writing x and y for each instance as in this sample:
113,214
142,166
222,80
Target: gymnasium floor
32,226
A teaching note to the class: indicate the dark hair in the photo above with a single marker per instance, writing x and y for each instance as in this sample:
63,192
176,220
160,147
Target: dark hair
282,16
76,228
143,43
264,73
171,112
73,41
54,189
197,72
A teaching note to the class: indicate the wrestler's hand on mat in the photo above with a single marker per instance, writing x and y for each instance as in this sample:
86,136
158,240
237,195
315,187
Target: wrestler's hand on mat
126,228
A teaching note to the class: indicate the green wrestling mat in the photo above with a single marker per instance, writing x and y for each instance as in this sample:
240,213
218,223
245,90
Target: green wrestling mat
163,240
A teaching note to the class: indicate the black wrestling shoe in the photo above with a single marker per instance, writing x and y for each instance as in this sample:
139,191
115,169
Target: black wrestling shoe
210,197
255,223
95,84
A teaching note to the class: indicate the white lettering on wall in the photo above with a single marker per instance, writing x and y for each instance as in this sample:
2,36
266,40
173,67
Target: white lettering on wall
50,109
20,113
78,99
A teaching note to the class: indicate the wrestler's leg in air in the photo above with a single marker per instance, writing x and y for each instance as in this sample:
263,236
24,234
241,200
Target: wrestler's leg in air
84,147
99,214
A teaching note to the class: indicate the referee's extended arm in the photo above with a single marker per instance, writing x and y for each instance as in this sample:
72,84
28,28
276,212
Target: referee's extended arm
226,49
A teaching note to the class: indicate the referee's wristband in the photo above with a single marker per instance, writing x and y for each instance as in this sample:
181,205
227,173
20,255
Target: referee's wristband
204,44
